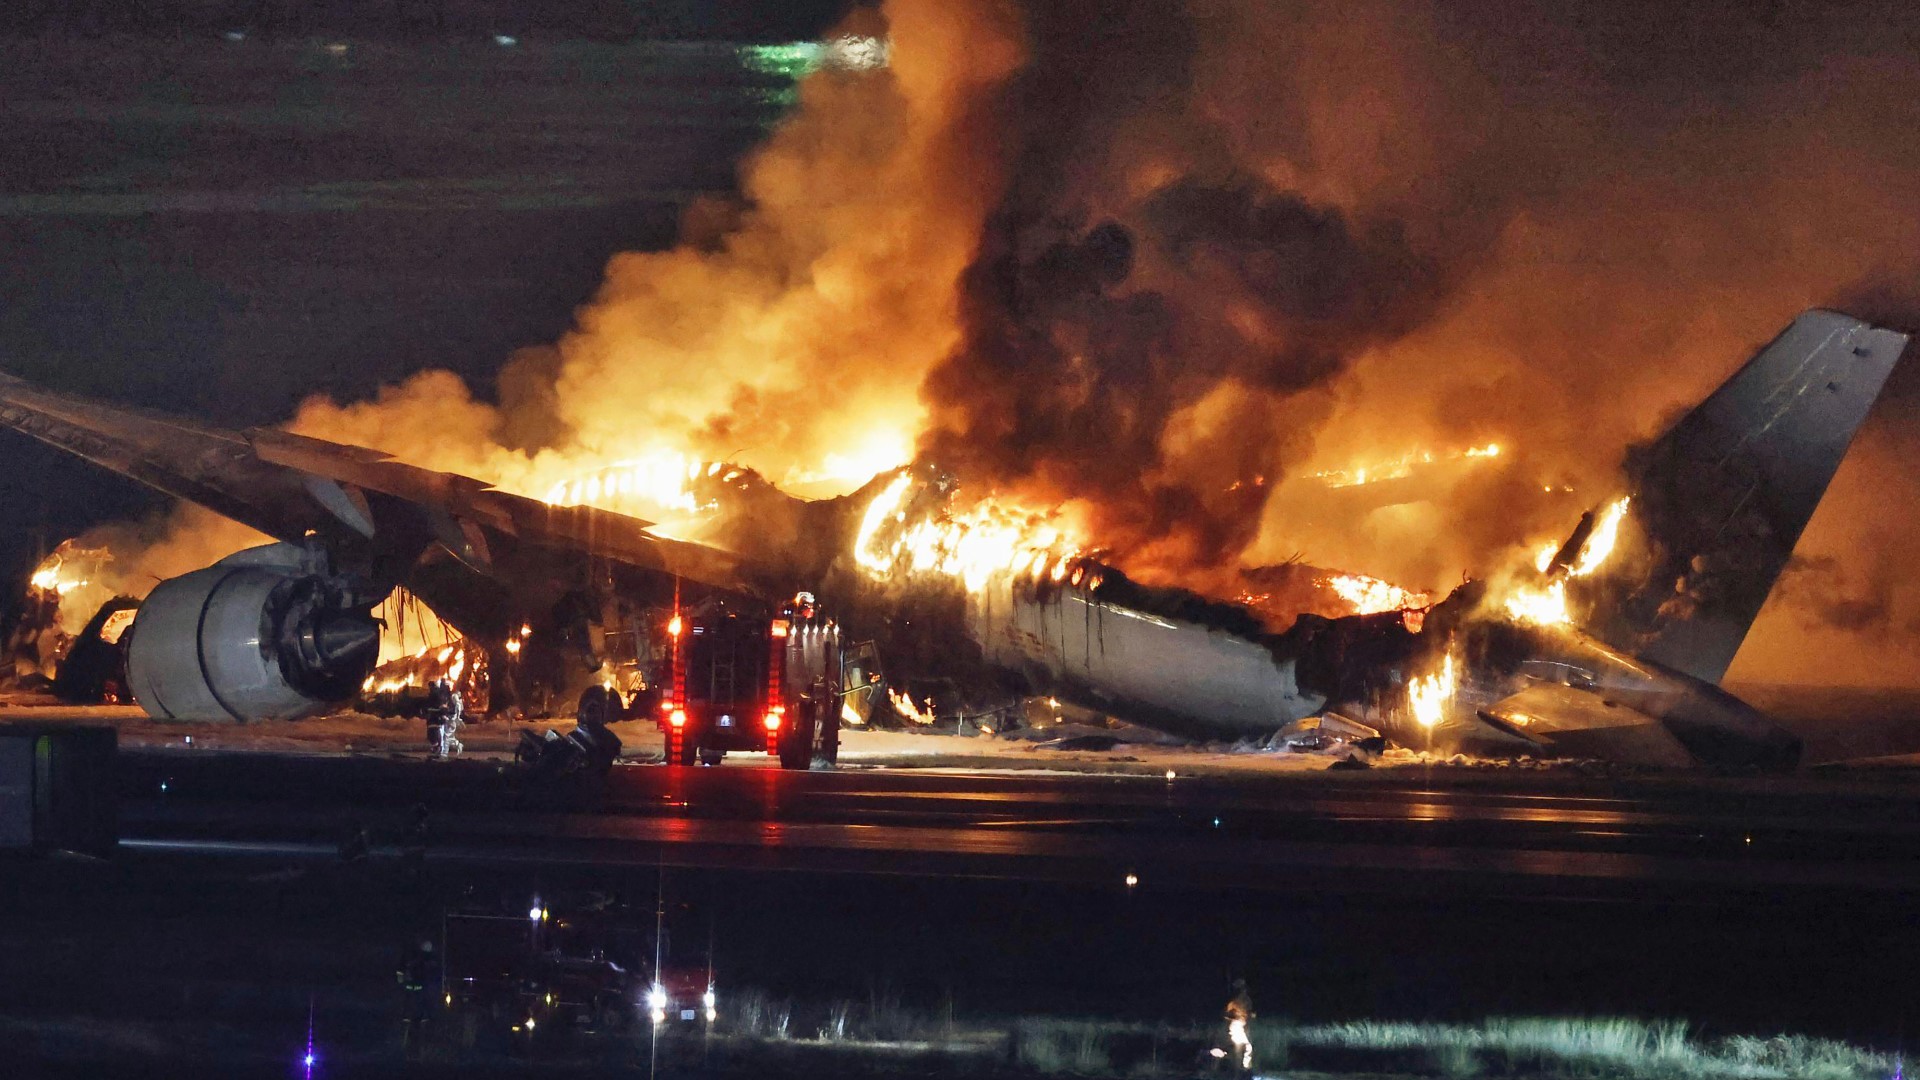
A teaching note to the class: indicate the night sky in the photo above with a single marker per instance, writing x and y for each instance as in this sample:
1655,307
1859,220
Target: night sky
219,229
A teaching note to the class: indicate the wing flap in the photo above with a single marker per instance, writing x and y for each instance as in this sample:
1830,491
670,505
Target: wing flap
1565,721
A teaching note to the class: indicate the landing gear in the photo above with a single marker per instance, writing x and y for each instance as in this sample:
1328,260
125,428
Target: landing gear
711,757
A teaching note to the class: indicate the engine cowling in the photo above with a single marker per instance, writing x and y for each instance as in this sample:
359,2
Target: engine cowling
257,636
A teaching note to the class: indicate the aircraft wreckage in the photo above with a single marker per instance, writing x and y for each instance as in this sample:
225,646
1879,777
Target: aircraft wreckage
1611,646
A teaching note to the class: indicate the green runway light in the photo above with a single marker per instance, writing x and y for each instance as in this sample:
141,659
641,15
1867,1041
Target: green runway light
791,60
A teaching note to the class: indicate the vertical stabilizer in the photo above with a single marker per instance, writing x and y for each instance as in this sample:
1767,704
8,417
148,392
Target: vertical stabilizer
1720,500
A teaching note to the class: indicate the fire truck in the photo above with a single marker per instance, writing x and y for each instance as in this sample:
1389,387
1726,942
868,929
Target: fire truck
718,678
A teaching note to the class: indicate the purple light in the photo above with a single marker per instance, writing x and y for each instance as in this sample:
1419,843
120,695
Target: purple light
308,1060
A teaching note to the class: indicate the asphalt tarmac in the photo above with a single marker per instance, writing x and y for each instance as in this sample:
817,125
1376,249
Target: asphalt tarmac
1743,905
1443,830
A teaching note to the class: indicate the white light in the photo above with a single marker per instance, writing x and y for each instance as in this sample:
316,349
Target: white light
1169,774
505,40
659,1016
534,913
1132,880
657,997
307,1061
712,1015
708,998
529,1023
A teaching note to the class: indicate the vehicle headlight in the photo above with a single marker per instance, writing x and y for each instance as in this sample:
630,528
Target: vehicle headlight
708,999
657,997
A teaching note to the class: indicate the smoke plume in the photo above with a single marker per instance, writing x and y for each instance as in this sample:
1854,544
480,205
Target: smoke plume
1158,262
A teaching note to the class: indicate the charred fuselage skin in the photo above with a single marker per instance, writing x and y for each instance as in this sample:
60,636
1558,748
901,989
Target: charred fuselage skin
1183,676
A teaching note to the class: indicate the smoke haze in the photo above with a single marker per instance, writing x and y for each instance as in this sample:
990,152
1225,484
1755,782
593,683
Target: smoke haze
1158,262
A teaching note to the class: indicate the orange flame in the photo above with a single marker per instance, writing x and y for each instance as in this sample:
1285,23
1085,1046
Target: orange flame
1371,595
974,546
904,703
1429,695
1402,466
1546,605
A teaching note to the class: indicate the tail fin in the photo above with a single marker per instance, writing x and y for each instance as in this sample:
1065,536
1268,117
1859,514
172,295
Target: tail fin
1720,500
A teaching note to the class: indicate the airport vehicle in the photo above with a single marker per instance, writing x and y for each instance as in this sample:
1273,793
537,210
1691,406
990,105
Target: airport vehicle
683,996
1630,672
544,972
738,681
722,676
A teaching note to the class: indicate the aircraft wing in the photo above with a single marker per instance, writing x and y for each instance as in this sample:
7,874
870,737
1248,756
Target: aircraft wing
292,487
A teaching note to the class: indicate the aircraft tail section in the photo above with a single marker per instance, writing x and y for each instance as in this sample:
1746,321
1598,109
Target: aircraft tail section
1720,500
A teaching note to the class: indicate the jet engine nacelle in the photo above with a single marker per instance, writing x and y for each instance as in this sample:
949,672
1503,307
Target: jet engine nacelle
257,636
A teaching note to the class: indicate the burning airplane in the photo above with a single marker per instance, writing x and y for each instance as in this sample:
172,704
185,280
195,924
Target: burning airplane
1609,645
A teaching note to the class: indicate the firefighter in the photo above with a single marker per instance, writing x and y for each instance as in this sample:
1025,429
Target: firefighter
444,713
415,975
1239,1014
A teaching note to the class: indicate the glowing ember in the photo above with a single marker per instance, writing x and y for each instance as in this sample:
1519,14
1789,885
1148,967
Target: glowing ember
904,704
1371,595
1401,467
973,546
116,625
465,669
1429,695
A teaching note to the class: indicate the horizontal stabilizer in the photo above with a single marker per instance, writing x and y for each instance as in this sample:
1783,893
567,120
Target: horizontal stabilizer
1565,721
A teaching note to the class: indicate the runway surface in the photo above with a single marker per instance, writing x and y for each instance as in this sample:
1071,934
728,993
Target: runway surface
1446,830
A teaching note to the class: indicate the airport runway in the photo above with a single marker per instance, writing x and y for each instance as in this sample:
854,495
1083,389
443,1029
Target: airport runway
1446,831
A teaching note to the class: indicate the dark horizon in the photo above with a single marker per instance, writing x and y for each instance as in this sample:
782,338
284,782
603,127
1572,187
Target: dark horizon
419,21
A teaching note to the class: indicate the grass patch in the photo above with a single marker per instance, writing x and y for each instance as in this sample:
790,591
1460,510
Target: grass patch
1536,1048
1607,1048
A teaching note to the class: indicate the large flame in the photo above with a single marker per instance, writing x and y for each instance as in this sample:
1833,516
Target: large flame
55,576
1600,542
1429,695
900,535
1546,604
660,481
1371,595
